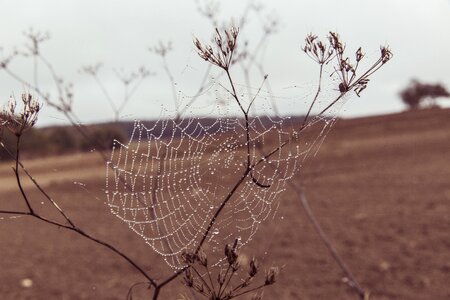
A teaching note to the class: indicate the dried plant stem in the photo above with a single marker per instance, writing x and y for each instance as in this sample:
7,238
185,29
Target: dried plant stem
47,196
222,205
222,58
16,172
76,229
127,97
198,93
294,136
331,104
72,226
11,212
81,129
52,71
247,171
67,112
172,85
50,199
251,290
213,291
167,281
35,70
315,97
353,283
106,94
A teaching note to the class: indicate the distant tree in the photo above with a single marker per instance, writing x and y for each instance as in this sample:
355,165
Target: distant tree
418,94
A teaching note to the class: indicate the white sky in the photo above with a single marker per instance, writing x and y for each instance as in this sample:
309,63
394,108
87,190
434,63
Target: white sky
118,33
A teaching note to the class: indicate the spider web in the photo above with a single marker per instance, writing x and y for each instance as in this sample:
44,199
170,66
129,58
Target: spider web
171,178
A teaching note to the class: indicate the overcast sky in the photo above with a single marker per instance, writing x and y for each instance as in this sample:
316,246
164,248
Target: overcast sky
118,34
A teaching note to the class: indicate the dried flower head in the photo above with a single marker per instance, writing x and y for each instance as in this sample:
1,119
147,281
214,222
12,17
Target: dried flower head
91,69
188,257
202,258
209,9
188,278
36,38
198,275
270,24
231,254
335,42
161,48
222,56
253,267
19,122
271,275
317,50
386,54
346,70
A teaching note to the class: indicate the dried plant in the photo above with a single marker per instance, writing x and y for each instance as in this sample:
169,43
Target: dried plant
223,54
196,269
200,277
18,122
209,9
130,81
349,80
162,49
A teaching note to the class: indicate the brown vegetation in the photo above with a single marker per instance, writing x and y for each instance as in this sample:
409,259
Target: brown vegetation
378,186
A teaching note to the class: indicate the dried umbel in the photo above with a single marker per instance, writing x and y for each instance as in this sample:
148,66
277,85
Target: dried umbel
18,122
36,38
271,275
347,71
222,56
317,50
161,48
199,276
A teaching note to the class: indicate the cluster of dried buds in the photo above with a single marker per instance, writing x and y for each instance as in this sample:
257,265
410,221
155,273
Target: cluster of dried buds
200,280
36,39
222,56
18,122
128,78
349,80
317,50
91,69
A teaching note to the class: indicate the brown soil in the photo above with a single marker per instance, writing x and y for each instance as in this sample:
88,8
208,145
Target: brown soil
379,186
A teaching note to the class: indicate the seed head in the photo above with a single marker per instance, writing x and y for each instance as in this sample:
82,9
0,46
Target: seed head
231,254
19,122
271,275
188,278
386,54
336,43
317,50
188,257
222,56
359,54
161,48
253,267
202,258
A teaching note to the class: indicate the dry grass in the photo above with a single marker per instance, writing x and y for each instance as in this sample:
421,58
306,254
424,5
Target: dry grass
379,186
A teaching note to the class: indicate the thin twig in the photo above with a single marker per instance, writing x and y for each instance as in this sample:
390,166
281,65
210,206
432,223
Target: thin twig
353,283
315,97
16,172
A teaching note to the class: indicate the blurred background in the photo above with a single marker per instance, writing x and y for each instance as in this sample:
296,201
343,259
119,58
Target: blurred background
118,35
378,184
